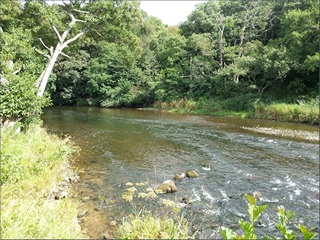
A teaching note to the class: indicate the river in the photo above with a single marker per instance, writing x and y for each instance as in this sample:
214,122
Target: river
131,145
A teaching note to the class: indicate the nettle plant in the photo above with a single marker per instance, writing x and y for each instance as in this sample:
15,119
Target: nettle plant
255,212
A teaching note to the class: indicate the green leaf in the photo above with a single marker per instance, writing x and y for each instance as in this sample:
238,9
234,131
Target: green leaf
290,235
251,199
307,233
227,233
257,211
289,215
247,227
281,228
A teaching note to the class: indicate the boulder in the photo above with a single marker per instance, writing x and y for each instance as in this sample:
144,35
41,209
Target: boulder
192,174
167,186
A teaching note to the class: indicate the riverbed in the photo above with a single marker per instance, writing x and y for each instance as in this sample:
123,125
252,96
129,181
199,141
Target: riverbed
130,145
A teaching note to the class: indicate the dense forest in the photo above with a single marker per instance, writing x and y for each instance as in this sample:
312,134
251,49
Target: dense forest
231,55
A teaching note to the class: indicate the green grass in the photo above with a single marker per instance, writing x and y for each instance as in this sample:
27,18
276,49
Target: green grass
149,227
304,112
32,164
244,106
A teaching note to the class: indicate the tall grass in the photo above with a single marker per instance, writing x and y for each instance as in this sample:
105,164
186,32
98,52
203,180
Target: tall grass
164,221
149,227
32,164
245,106
304,112
183,105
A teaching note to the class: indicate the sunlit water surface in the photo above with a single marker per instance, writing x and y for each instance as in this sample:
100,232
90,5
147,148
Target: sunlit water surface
126,145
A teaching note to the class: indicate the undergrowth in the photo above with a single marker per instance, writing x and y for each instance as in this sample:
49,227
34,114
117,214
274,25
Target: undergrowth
32,163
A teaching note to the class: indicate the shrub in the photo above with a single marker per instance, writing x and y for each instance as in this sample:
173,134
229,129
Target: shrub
19,102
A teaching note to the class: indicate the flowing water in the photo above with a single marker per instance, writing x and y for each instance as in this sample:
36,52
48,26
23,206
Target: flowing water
130,145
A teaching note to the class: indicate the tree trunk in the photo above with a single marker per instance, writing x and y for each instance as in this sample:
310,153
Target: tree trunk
44,77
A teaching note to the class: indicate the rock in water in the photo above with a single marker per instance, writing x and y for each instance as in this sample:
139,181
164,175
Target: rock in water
167,186
192,174
179,176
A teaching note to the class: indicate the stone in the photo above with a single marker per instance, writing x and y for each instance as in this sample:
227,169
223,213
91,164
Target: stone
179,177
83,214
113,223
192,174
167,186
86,199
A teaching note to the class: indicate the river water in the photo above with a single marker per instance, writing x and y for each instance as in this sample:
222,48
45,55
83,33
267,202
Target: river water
130,145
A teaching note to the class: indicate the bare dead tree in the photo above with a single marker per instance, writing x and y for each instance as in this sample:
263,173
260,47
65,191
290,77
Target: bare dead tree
54,52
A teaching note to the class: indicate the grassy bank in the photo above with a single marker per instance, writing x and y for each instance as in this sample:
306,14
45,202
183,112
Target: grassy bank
301,112
33,164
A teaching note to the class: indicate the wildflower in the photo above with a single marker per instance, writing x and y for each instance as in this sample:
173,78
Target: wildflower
257,195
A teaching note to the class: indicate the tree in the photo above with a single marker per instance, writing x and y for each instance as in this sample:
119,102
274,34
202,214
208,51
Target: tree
19,66
63,42
300,35
263,65
169,48
111,76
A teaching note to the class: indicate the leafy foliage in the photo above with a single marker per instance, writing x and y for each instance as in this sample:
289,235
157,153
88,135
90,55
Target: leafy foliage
255,212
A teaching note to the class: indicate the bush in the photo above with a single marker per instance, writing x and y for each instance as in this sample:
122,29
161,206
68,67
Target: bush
19,102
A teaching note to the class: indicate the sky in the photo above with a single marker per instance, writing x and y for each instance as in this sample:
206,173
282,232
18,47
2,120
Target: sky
170,12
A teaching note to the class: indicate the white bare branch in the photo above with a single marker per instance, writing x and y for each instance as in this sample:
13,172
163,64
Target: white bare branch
41,53
44,44
65,44
65,55
80,11
51,50
57,33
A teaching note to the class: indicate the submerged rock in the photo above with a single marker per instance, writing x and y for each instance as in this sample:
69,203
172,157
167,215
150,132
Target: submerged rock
166,187
192,174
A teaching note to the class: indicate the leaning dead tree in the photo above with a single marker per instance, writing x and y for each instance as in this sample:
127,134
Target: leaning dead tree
54,52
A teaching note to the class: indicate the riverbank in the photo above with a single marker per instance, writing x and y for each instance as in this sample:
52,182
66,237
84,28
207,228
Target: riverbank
301,112
36,201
